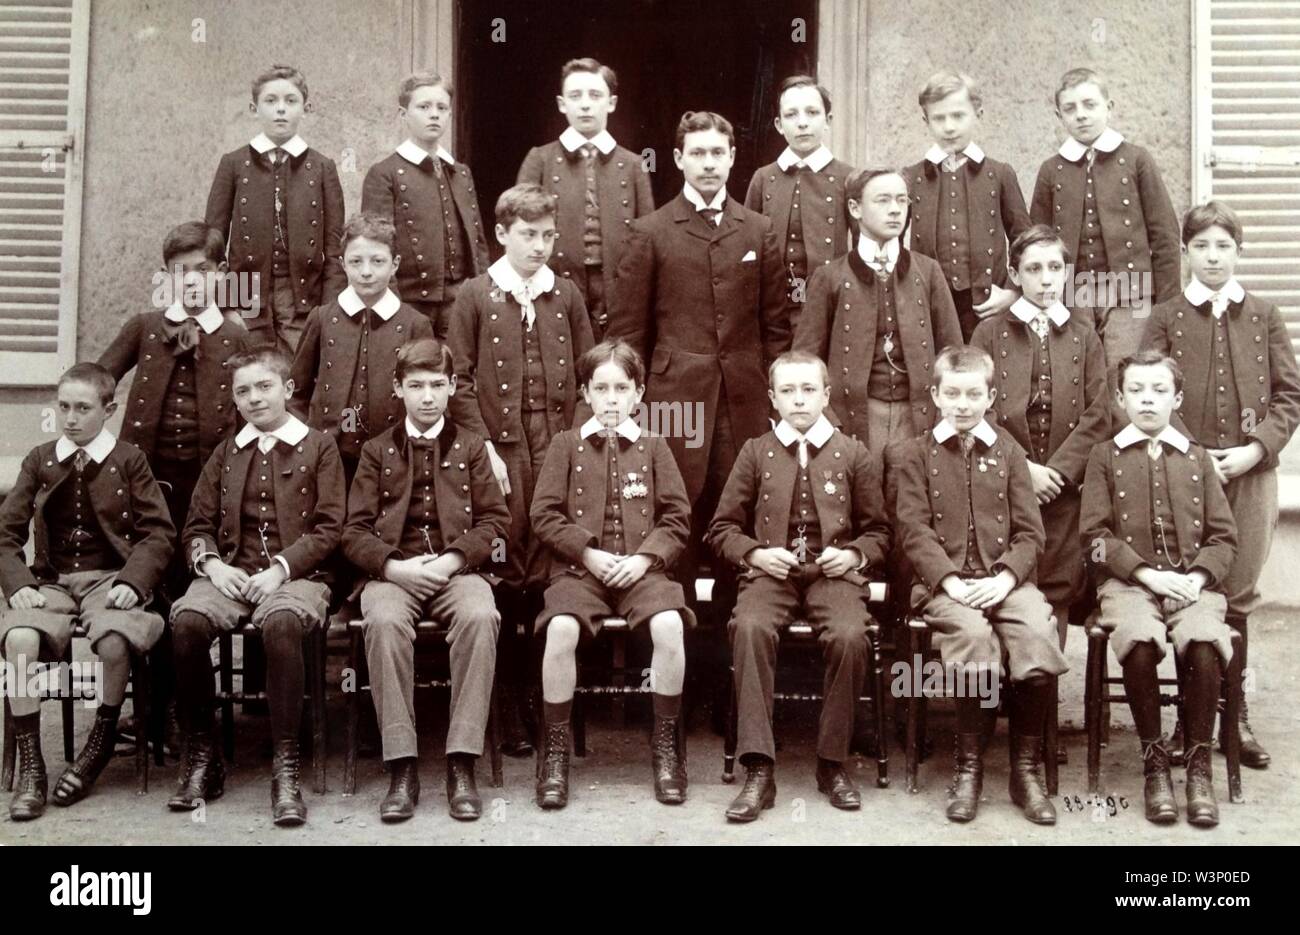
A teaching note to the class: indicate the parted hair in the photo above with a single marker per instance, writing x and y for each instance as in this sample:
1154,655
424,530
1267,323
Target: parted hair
427,354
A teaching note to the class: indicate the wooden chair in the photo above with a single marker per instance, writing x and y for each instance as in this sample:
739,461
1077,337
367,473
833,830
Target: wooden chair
919,637
1101,689
428,634
227,697
140,735
803,634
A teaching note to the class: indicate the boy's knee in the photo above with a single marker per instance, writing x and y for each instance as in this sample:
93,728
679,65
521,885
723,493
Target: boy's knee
281,627
190,627
22,641
752,627
562,634
113,647
666,630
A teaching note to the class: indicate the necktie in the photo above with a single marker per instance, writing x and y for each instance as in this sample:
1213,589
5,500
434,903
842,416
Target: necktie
954,162
803,452
1090,155
524,295
1040,325
967,441
711,215
435,163
183,335
589,151
1154,449
79,460
265,443
1218,304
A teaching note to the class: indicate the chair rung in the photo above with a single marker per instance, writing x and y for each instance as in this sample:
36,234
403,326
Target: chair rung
240,696
612,690
614,624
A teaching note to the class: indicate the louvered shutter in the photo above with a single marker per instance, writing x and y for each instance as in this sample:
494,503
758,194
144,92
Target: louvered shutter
1249,136
43,59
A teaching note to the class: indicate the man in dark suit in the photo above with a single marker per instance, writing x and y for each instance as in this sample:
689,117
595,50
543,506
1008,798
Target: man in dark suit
700,293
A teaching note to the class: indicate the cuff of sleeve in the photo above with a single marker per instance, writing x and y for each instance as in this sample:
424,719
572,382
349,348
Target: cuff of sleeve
201,561
288,573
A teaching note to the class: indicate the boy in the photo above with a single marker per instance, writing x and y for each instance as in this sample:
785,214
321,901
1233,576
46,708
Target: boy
600,186
340,373
1159,528
101,543
803,191
1049,378
608,556
1244,404
516,335
823,491
424,512
1104,196
179,355
700,295
430,198
893,311
267,512
279,205
953,189
971,531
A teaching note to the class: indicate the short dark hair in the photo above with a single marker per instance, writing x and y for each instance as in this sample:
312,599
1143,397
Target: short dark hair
528,201
695,121
592,66
374,227
798,357
1077,76
420,79
1149,358
1039,233
1211,214
428,354
96,377
194,235
857,181
265,355
803,81
280,73
945,83
616,351
962,358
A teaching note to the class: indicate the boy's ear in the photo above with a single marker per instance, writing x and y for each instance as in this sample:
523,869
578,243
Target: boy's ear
934,395
451,382
252,107
776,122
855,210
1014,274
501,235
1178,400
559,103
288,388
111,407
993,395
771,396
613,102
677,157
308,107
397,261
979,113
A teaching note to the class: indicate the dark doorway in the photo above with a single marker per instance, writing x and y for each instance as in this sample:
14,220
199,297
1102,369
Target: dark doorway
670,55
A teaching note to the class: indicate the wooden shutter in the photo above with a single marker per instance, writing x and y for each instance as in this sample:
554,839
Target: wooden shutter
1248,136
43,59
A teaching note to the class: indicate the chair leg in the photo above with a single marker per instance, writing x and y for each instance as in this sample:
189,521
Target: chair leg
1105,690
914,705
354,712
579,717
618,676
140,697
319,724
1230,726
729,739
226,663
10,750
1093,688
878,703
1051,738
67,704
494,739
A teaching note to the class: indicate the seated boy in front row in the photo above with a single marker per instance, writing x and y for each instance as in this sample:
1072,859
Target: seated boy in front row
424,515
267,512
102,542
1158,525
970,528
614,533
803,514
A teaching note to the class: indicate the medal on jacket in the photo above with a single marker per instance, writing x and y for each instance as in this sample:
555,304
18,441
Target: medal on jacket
983,465
633,487
829,487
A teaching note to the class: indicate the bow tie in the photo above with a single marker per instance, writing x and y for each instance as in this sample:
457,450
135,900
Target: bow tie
796,167
524,294
423,444
277,156
1041,325
183,334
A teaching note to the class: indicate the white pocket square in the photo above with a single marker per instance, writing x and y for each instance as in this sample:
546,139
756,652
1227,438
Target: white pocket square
749,257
